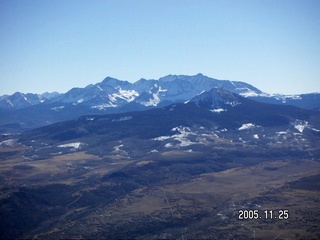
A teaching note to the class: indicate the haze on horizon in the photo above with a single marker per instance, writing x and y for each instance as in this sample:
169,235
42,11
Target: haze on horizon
57,45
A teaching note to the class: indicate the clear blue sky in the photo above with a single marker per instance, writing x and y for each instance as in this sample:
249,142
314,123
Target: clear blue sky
54,45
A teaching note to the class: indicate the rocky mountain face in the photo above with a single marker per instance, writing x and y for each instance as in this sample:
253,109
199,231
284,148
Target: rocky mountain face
114,96
20,100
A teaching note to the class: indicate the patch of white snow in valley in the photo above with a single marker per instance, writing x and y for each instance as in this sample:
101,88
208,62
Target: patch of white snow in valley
300,125
218,110
256,136
117,148
9,142
246,126
316,130
75,145
181,136
120,152
184,136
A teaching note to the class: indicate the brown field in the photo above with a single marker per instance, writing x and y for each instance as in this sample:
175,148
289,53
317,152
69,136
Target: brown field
218,197
201,206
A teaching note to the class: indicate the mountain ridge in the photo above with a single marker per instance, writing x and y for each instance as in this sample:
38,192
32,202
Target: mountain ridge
192,85
112,95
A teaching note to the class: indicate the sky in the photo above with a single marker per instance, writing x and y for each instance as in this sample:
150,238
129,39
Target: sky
55,45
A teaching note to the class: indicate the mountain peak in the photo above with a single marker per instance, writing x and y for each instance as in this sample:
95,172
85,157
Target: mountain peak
171,78
113,82
168,78
216,98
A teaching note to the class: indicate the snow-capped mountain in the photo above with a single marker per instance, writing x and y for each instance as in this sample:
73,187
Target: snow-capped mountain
113,93
217,99
114,96
20,100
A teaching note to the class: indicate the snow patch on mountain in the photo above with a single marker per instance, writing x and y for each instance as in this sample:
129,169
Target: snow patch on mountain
127,95
181,137
75,145
184,137
153,101
316,130
117,148
105,106
9,102
232,83
300,125
162,138
246,126
246,92
121,119
120,152
284,97
281,133
57,109
8,143
233,103
218,110
160,89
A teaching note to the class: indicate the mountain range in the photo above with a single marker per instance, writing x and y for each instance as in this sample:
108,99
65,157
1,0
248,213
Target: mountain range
26,111
209,116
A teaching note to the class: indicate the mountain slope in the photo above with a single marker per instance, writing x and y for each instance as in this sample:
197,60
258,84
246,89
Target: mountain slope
307,101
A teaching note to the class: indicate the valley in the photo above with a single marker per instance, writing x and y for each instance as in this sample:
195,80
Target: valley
172,197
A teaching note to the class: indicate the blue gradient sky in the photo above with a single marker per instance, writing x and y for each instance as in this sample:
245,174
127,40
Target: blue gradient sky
54,45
